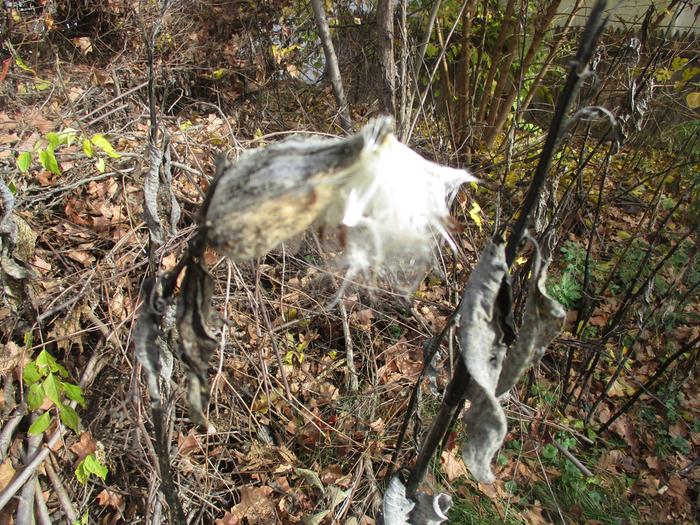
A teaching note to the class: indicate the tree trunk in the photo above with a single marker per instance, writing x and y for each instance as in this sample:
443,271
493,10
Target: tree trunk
500,113
463,97
495,59
332,62
385,50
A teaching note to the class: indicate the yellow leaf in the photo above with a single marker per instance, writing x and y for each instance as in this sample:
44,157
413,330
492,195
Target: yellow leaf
475,214
693,100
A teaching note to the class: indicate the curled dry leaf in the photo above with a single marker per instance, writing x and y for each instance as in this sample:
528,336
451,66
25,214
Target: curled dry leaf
256,506
84,447
109,498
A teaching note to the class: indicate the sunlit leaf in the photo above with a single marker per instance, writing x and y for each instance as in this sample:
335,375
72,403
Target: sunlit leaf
24,160
475,214
52,388
31,373
41,424
35,396
693,100
90,465
88,150
69,417
42,85
24,67
101,142
47,158
53,140
73,392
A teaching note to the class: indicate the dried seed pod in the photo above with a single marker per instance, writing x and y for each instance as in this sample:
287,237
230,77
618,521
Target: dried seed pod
271,194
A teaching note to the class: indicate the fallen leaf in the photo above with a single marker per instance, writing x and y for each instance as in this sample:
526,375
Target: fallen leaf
624,428
34,118
452,466
377,425
7,472
86,446
255,506
10,358
108,498
81,256
187,445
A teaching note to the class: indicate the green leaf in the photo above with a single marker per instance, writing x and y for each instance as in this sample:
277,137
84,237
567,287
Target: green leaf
31,373
549,451
74,393
69,417
24,67
41,84
88,149
100,165
35,396
28,339
101,142
46,362
90,465
67,136
24,160
41,424
53,140
47,158
83,519
81,473
52,388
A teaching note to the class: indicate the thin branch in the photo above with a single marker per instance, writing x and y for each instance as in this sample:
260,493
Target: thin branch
324,34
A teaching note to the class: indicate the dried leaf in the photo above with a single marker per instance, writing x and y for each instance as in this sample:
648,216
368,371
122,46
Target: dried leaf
86,446
7,472
452,466
109,498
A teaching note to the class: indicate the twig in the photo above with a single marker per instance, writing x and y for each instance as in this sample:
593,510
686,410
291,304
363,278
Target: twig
7,431
649,382
25,509
41,510
61,493
353,384
125,94
332,64
573,459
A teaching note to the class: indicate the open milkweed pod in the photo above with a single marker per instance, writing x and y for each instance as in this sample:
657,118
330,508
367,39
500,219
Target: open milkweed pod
394,205
391,200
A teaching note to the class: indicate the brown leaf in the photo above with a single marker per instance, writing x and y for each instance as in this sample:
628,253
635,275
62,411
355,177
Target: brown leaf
7,472
255,506
35,119
452,466
81,256
187,445
10,357
678,429
9,139
86,446
624,428
108,498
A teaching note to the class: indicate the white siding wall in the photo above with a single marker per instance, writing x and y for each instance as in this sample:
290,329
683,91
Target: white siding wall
630,13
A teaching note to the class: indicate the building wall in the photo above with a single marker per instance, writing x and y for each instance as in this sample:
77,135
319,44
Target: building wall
630,13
